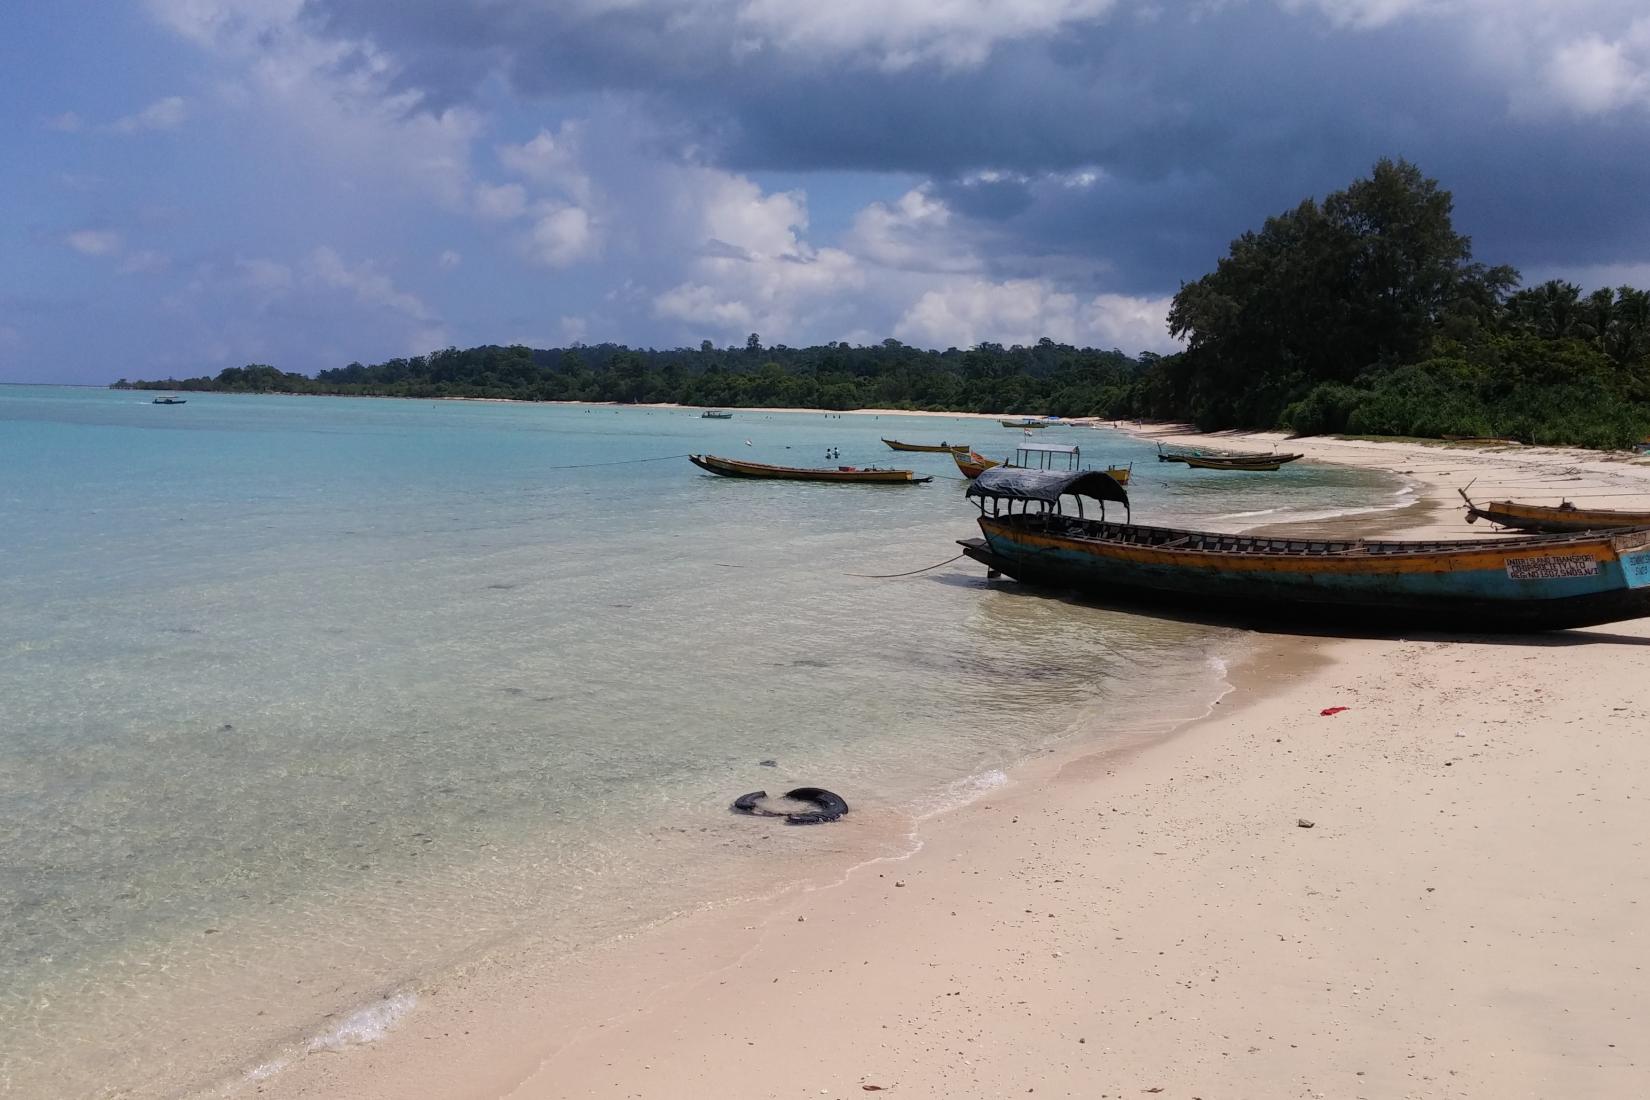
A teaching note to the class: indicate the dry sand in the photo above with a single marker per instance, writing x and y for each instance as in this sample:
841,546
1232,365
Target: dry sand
1465,917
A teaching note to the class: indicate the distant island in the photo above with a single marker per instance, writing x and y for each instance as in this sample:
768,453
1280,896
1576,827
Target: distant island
836,376
1364,314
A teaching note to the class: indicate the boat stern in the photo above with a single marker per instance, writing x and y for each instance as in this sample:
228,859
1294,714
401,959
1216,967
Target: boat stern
1633,553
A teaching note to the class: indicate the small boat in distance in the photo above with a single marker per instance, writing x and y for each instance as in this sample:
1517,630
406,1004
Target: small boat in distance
863,475
1543,582
1253,465
1027,422
1550,519
170,401
1224,460
715,414
935,448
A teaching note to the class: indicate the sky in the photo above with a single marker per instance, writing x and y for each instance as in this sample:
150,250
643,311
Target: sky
194,184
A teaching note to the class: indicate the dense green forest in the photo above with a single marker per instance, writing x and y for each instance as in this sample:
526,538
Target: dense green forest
1363,313
1046,377
1366,313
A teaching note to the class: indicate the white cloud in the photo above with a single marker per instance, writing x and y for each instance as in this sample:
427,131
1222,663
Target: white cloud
965,312
1592,76
449,259
733,211
371,287
500,203
911,265
753,268
917,232
334,95
551,161
1589,57
1131,323
574,330
163,114
94,242
698,304
562,235
1364,14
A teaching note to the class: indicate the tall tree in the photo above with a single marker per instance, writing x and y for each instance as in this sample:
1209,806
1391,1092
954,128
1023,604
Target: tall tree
1321,293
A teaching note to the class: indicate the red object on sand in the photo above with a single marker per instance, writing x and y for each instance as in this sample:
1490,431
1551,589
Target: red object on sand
1330,712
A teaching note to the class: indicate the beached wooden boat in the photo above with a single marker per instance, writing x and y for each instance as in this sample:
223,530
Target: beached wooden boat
872,475
1225,460
934,448
1544,582
1253,465
1551,519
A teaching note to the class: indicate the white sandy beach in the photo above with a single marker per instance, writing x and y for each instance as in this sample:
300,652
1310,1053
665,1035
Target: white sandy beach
1464,917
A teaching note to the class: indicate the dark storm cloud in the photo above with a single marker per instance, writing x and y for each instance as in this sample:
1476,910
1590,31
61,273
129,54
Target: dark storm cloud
1200,127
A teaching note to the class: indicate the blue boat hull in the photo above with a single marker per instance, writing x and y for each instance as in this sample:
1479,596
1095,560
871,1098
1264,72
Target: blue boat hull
1550,583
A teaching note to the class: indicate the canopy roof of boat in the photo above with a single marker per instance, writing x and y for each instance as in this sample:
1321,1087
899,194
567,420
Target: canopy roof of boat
1012,483
1050,448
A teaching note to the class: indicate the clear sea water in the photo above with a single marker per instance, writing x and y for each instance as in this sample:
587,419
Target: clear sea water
305,700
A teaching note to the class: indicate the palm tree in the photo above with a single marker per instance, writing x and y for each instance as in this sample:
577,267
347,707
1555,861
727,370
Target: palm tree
1551,310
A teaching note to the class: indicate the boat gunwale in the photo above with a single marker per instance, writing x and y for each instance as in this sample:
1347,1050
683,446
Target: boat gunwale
1347,550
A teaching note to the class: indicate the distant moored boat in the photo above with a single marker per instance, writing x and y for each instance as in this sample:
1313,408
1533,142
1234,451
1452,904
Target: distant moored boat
170,401
938,448
715,414
873,475
1263,464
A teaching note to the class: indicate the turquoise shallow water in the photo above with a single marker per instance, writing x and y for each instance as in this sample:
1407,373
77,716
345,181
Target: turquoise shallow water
303,700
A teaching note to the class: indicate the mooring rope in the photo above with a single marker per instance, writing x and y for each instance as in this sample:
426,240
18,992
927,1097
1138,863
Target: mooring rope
911,573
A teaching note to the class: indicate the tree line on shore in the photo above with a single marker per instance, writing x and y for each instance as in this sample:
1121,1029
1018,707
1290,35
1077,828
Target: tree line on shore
1364,313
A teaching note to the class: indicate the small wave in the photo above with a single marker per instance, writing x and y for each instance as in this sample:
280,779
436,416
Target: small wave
365,1025
1285,515
264,1071
962,792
